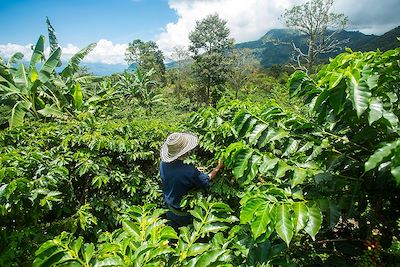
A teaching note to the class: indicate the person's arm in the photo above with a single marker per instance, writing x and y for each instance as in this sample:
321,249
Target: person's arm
216,170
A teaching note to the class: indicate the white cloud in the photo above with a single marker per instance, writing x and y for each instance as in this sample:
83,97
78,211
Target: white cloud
247,20
105,52
8,50
108,53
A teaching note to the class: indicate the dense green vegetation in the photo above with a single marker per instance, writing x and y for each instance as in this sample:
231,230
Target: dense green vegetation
311,176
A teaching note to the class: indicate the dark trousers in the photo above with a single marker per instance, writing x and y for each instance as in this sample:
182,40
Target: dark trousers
177,221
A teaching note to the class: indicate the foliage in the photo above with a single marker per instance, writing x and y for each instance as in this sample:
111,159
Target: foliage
25,88
297,189
42,93
244,65
210,43
355,99
147,56
314,19
77,176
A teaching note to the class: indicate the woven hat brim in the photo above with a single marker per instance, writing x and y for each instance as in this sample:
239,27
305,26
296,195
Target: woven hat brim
191,144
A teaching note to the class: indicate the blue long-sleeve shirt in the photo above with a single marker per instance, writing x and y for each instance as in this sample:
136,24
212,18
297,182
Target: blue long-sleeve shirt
178,179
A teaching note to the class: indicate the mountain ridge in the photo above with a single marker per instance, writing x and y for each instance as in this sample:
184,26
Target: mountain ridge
273,47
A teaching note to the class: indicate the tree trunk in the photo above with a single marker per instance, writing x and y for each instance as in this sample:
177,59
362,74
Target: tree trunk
310,55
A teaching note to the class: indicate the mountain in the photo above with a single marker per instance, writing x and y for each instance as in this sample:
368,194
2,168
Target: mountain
274,47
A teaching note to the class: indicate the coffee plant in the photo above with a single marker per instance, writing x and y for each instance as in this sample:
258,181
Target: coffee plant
297,189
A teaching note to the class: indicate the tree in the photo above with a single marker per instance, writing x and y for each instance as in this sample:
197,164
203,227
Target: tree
210,44
244,64
182,58
147,56
315,20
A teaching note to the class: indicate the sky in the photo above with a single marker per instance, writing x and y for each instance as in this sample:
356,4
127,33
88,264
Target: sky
112,24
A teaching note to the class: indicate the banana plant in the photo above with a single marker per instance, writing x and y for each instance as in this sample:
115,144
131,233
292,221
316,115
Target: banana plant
68,87
145,90
27,88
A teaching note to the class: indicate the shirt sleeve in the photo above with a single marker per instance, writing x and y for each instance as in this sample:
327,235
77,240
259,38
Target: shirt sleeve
201,179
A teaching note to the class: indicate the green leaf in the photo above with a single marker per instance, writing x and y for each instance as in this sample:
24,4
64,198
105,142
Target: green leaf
46,247
131,228
36,57
249,208
300,216
376,110
198,248
314,221
51,111
18,113
48,67
333,214
77,96
261,221
256,133
380,154
213,227
391,118
251,172
284,225
291,147
299,175
268,163
283,167
335,79
168,233
209,257
359,93
73,64
241,162
14,57
76,245
395,171
20,78
88,252
112,261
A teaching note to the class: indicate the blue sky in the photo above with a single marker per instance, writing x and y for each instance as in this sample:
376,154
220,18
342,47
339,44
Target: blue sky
84,21
112,24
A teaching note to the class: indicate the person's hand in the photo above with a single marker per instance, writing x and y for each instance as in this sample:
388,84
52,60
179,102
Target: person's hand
220,165
215,171
202,169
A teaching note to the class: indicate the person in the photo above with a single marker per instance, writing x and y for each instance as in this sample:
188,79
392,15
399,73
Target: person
179,178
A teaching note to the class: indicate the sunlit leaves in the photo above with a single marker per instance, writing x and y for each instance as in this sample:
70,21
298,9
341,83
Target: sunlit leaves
314,221
380,154
359,92
261,220
376,110
267,214
284,224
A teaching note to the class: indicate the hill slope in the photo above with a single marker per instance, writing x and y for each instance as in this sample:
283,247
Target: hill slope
274,47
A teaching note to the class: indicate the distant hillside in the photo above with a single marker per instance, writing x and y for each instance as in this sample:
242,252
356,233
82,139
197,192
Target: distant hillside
271,49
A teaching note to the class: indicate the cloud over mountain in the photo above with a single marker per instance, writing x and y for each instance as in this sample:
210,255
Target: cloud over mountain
250,19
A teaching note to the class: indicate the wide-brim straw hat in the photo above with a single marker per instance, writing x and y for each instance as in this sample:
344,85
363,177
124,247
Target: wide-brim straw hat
177,145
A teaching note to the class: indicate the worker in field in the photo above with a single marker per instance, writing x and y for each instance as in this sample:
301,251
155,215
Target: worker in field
179,178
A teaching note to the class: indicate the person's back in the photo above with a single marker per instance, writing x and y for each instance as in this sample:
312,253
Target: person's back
179,178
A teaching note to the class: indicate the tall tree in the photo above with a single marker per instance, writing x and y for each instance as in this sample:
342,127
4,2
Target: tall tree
147,56
182,58
244,64
315,20
210,44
